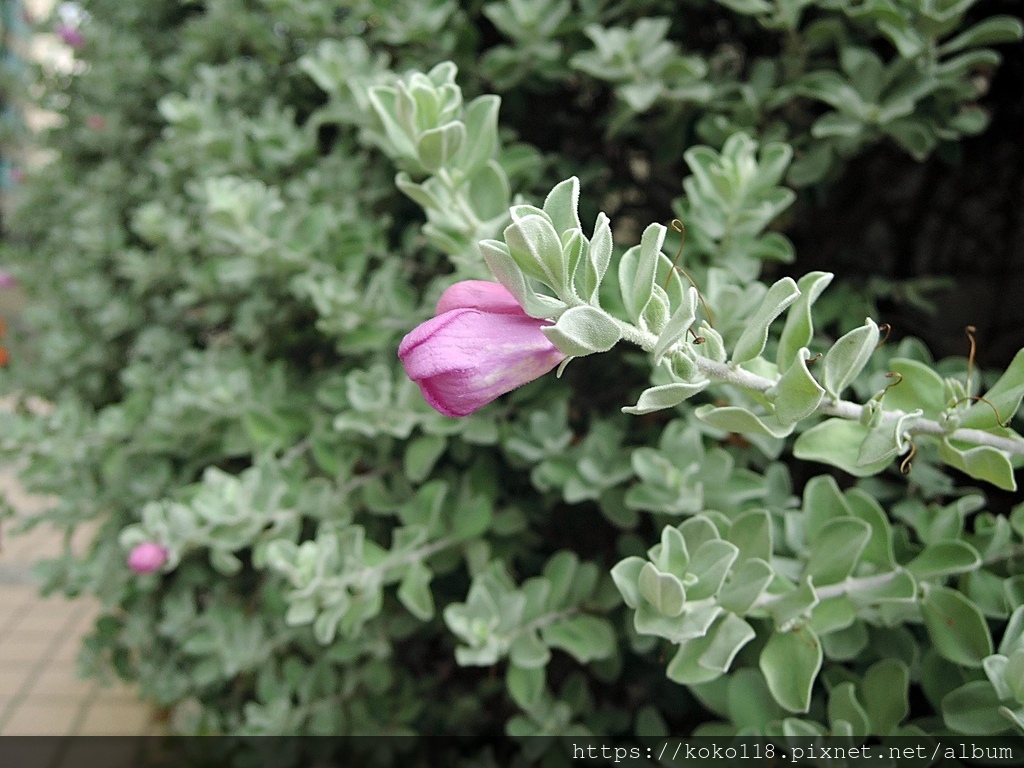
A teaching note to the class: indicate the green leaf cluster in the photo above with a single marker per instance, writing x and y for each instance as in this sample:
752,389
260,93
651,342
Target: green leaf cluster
218,273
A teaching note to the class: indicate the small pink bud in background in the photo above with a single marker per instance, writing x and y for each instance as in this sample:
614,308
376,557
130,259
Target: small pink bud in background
17,175
96,122
479,346
147,557
70,35
7,280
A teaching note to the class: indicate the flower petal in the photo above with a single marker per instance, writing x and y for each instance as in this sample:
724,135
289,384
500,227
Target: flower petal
479,294
465,358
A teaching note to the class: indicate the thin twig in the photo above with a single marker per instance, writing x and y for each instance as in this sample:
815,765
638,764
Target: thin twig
841,408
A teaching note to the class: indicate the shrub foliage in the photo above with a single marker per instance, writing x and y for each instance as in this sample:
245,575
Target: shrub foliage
254,200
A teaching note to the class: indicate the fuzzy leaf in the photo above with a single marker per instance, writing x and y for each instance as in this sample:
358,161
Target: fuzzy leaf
994,30
944,558
526,686
637,271
748,702
585,638
536,248
678,324
714,346
974,708
1005,395
489,191
671,554
626,575
793,606
748,583
510,275
472,518
437,146
481,120
711,562
727,638
900,588
742,420
884,693
583,331
836,550
1013,637
751,532
528,651
885,441
879,549
956,627
920,387
834,618
664,396
421,454
685,667
982,462
414,591
848,356
599,254
823,502
843,705
664,591
797,393
755,334
790,662
837,442
562,203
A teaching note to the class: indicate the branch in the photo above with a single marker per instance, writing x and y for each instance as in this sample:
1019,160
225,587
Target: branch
842,408
847,410
848,586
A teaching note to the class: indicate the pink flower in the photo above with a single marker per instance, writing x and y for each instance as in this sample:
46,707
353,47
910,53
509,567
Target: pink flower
17,175
70,35
147,557
480,345
7,280
96,122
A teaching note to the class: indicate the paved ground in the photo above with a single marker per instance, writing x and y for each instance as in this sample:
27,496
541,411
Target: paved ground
40,692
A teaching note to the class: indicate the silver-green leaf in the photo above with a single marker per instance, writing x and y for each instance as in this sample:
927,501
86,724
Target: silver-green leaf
797,393
665,396
755,334
848,356
583,331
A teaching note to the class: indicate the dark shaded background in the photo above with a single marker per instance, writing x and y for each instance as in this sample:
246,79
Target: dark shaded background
959,216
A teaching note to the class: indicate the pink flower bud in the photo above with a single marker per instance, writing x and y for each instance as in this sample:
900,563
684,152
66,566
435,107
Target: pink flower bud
478,294
147,557
479,346
96,122
70,35
7,280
